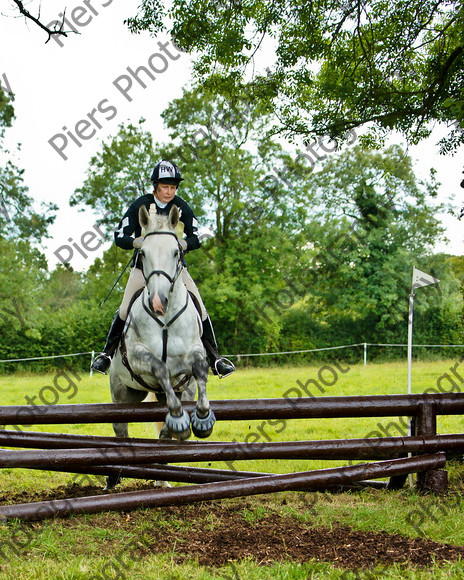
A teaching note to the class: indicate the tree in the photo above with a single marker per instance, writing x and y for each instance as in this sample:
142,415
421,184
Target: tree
117,174
379,192
235,175
6,111
18,218
374,222
244,184
23,267
23,271
338,65
61,290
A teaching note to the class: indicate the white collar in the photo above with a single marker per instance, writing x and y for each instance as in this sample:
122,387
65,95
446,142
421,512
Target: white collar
159,203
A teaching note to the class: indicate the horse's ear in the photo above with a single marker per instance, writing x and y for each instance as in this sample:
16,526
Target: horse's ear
174,217
144,217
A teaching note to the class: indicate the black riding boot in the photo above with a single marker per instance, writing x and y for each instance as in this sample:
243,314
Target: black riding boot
103,361
220,365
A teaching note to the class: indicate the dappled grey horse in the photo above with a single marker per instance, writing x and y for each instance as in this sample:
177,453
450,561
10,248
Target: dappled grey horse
161,344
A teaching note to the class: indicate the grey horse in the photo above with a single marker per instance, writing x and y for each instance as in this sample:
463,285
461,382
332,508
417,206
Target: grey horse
161,344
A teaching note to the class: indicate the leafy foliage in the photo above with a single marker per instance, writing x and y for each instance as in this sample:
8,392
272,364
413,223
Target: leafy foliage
294,256
338,64
18,218
117,174
374,222
6,111
233,180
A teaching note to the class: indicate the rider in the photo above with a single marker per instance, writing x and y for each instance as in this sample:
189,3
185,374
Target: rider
166,178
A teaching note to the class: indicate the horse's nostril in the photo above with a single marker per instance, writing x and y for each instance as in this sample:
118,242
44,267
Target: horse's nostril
157,304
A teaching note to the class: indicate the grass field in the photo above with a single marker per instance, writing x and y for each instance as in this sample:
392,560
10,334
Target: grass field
82,547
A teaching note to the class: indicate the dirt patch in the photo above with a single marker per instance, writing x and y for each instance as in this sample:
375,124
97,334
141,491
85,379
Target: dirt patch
219,532
61,492
277,538
218,535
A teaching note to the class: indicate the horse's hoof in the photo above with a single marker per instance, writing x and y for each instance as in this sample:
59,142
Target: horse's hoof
112,481
179,426
202,427
165,434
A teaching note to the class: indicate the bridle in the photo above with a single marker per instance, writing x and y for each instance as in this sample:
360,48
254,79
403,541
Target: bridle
179,265
164,325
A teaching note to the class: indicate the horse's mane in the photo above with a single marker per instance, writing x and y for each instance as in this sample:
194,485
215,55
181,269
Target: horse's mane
157,222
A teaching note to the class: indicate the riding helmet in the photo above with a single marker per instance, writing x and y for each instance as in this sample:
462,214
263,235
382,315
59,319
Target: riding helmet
166,172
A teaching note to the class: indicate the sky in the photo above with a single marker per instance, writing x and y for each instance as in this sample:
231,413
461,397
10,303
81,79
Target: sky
73,92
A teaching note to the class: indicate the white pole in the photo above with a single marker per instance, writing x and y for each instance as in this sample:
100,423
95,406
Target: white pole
365,353
419,279
410,324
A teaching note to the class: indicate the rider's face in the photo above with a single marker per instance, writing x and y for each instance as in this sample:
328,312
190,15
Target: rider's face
164,192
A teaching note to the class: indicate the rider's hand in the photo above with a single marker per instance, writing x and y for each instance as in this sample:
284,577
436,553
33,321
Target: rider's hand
137,243
183,245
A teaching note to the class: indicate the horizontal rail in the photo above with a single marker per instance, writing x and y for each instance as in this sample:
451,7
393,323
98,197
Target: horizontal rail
226,489
244,409
41,440
170,452
161,472
193,474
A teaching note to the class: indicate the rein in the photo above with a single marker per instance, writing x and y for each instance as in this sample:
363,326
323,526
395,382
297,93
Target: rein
165,326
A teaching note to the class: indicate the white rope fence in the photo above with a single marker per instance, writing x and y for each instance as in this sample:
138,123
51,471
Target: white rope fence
296,351
363,344
45,357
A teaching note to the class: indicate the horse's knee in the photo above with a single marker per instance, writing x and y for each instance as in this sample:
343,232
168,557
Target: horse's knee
200,368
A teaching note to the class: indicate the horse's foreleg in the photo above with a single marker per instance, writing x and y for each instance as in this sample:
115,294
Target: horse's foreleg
152,398
177,420
203,418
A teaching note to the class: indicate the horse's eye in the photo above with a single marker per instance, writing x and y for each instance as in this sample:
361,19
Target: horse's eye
141,254
176,253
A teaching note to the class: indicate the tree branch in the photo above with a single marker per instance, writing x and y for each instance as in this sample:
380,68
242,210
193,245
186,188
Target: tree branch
36,20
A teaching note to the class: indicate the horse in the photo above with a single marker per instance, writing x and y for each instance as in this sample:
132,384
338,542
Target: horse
161,343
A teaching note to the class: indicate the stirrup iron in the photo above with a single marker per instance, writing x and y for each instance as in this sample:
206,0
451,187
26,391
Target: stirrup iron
227,361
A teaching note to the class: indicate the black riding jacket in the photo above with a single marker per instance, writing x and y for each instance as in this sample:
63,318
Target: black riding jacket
129,227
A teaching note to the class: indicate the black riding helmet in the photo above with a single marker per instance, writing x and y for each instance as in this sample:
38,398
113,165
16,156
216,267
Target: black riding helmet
166,172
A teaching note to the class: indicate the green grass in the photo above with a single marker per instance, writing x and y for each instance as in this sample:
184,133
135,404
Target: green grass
72,549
